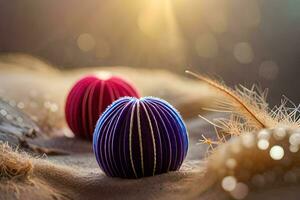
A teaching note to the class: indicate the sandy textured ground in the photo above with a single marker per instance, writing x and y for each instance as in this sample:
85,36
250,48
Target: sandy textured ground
77,175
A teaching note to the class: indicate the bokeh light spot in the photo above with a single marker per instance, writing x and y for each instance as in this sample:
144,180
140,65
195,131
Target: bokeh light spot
229,183
279,133
240,192
268,70
276,152
21,105
3,112
9,117
54,107
248,140
243,53
86,42
294,139
263,144
264,134
231,163
294,148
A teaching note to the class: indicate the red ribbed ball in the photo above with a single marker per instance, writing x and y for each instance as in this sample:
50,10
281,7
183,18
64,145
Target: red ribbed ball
89,97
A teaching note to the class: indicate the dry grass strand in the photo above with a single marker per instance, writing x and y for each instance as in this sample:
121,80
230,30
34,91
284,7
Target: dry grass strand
14,164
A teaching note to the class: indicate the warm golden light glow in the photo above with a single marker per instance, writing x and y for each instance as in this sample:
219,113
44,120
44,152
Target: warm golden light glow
206,46
104,75
215,15
157,18
157,21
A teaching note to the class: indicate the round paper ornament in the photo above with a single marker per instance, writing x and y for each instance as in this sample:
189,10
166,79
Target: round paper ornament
89,97
140,137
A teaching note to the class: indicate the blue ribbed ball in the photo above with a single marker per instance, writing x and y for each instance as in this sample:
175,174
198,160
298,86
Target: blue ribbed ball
140,137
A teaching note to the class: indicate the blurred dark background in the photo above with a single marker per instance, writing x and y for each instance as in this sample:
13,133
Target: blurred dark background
242,41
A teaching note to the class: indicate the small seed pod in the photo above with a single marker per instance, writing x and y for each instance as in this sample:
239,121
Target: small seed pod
140,137
89,97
